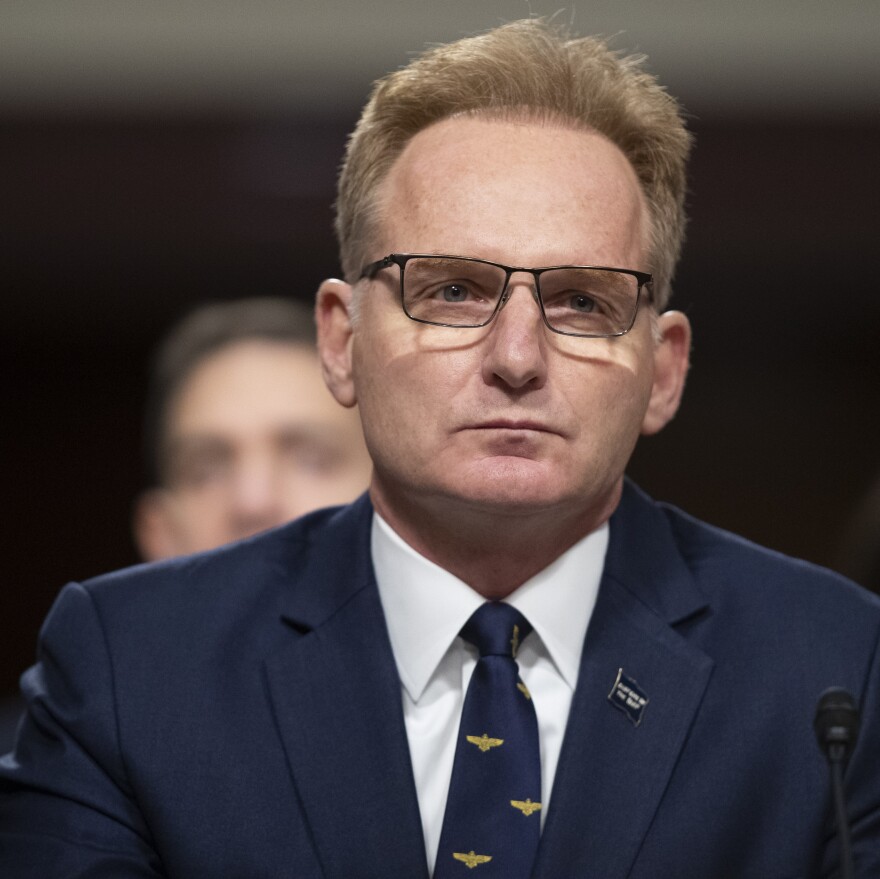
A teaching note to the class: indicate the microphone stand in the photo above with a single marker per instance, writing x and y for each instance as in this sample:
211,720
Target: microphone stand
837,728
836,764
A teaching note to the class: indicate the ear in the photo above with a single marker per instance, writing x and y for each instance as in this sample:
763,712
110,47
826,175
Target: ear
671,361
334,322
151,526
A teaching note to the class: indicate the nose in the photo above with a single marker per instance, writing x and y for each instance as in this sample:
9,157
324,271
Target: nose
256,497
516,354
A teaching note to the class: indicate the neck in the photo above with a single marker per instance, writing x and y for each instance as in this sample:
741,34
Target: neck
494,551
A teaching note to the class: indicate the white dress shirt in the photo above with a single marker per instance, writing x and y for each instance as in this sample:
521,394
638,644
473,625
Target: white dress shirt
426,607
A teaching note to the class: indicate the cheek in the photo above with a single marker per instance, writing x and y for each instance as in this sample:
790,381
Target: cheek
198,512
404,385
195,522
609,396
395,410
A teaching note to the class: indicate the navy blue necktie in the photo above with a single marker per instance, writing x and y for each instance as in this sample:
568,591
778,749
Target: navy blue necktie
492,822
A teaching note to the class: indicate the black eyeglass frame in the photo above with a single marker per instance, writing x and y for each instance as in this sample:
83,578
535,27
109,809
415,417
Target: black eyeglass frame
643,280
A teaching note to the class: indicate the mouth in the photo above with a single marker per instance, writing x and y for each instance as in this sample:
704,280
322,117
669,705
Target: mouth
507,424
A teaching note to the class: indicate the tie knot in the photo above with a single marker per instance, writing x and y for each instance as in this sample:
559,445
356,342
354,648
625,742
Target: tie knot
496,629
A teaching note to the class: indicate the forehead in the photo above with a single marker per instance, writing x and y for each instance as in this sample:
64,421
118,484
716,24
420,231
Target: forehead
248,383
507,189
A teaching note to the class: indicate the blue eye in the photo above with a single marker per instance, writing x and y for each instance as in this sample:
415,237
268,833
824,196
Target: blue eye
582,304
454,293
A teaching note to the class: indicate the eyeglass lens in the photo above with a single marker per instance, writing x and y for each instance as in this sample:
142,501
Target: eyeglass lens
464,293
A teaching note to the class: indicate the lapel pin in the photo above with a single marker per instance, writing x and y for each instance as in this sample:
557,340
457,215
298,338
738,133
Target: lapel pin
628,697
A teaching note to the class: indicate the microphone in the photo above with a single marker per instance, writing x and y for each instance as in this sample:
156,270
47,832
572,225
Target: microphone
837,728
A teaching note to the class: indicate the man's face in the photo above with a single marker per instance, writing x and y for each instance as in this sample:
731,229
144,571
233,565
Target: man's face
510,418
253,439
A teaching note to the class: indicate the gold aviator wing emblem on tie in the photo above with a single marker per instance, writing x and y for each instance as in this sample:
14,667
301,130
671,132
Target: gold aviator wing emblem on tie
483,742
470,860
527,807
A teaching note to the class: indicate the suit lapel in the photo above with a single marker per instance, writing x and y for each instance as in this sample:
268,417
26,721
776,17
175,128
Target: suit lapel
612,773
336,694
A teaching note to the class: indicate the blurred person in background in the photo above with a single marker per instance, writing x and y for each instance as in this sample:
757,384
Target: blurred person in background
241,431
241,434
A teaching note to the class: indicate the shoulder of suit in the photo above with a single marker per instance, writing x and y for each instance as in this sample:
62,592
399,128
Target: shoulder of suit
714,553
246,564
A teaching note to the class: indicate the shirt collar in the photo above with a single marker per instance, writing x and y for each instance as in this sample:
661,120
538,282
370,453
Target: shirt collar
425,607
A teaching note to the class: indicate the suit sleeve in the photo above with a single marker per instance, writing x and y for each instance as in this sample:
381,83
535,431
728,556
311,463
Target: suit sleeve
67,810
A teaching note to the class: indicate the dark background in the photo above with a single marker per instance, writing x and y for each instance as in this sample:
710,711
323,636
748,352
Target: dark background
118,216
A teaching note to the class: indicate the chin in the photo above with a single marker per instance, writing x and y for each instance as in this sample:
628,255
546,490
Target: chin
513,484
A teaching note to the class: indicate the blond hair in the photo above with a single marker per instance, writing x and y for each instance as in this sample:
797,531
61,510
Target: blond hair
526,68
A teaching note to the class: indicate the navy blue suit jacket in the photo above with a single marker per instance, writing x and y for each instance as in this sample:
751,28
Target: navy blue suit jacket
238,714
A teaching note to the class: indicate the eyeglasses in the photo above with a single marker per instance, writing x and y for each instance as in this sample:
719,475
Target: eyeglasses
458,291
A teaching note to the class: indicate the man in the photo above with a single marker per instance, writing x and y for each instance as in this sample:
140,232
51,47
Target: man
241,433
339,698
